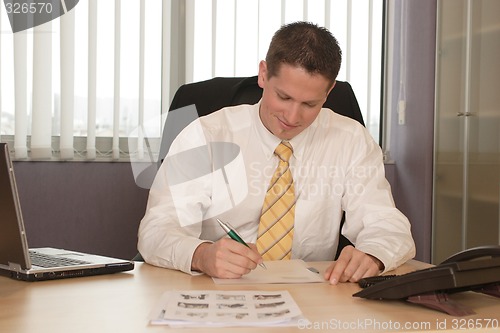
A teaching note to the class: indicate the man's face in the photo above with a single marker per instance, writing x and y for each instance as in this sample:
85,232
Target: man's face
291,100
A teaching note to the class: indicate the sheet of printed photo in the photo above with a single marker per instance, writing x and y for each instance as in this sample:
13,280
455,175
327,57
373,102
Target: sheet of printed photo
226,308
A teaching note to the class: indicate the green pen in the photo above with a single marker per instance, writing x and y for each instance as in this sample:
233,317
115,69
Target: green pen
231,232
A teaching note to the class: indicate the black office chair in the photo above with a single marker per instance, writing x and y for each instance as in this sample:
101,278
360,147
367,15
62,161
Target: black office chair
214,94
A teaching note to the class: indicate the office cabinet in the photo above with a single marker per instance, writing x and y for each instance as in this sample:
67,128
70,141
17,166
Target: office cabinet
467,127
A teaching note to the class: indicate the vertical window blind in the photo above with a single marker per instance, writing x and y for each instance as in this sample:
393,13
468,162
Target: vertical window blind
79,86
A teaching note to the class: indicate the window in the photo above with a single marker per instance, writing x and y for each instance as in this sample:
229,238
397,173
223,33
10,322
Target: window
81,85
109,53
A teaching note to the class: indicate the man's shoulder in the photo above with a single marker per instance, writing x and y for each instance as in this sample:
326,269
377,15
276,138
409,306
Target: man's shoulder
336,128
330,119
230,112
230,117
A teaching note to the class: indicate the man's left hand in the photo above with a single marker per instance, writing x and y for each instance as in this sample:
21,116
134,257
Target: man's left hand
352,265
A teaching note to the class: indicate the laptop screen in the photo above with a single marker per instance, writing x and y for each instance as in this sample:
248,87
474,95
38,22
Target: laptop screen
13,244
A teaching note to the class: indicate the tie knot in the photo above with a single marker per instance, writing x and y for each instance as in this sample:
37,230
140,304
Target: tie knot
284,150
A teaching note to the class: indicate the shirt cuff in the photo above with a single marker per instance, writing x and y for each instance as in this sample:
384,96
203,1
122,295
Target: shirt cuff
186,250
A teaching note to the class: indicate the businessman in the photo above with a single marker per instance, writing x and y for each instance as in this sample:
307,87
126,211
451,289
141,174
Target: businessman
295,168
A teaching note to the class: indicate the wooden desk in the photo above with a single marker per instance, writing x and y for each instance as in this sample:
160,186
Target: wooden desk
122,302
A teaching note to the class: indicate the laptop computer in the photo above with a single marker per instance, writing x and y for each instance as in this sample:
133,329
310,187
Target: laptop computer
19,262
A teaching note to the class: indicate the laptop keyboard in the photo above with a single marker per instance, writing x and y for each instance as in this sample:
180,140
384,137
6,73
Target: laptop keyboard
48,261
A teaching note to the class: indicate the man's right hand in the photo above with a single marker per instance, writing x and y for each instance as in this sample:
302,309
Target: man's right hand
226,259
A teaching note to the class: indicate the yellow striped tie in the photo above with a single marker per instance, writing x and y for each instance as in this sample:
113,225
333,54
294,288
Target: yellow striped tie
274,240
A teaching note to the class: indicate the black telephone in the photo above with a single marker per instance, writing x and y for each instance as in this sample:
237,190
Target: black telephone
476,269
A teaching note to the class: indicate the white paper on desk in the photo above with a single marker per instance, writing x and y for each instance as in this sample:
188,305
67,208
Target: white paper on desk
279,271
221,308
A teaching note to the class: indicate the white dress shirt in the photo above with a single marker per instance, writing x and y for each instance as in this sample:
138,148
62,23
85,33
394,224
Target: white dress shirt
221,164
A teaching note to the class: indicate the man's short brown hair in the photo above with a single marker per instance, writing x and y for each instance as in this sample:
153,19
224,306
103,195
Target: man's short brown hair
305,45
